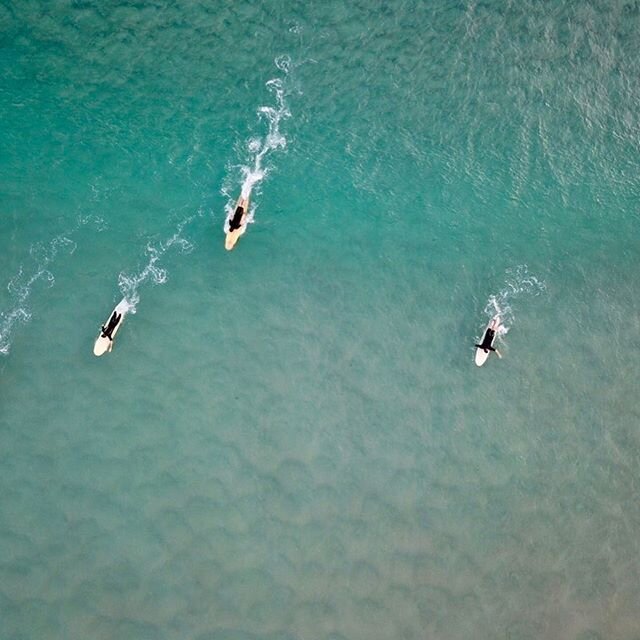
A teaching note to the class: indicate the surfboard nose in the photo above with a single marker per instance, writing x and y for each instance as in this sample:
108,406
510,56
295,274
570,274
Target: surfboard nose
99,348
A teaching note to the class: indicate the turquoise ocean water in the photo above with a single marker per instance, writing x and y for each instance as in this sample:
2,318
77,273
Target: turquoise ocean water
291,441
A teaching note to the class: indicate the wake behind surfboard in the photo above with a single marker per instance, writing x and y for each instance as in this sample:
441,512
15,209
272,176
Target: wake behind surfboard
108,331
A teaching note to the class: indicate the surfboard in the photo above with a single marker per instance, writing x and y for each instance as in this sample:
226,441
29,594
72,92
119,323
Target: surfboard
233,236
481,354
102,345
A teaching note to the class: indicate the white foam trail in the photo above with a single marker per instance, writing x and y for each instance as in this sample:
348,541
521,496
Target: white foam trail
22,285
129,284
254,170
123,307
519,282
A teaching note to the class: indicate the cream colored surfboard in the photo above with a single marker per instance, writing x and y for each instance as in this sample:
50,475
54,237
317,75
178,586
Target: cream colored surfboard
102,344
233,236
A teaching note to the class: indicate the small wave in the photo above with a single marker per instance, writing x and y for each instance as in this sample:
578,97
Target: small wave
518,283
254,170
22,285
129,284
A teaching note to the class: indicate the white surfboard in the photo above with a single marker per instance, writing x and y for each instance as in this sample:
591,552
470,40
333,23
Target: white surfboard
481,354
233,236
103,344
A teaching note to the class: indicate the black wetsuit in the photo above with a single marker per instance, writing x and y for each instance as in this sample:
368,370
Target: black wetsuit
236,221
487,340
113,323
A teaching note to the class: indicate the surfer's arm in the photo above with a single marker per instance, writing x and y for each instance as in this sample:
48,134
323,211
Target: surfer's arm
498,354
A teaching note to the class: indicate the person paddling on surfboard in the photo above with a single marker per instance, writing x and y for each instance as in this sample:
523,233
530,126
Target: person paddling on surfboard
237,223
487,342
107,331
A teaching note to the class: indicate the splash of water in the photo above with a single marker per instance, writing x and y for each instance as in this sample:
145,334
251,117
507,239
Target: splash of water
518,283
130,283
254,170
22,285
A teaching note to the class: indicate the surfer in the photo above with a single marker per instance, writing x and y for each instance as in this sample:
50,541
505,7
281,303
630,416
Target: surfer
107,332
104,341
237,222
487,342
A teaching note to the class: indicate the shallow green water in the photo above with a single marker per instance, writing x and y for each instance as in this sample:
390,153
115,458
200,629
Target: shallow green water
292,440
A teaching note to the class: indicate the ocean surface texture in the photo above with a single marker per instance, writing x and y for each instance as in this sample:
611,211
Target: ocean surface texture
291,441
